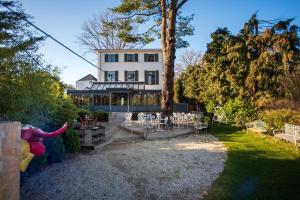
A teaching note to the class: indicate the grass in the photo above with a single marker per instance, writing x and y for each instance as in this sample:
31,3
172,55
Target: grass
257,167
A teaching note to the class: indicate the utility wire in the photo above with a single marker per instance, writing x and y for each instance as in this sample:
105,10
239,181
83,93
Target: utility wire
52,37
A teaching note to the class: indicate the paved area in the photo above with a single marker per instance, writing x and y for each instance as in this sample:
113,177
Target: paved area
177,168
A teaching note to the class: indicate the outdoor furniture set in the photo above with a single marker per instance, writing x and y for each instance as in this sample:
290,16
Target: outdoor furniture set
290,133
157,122
90,132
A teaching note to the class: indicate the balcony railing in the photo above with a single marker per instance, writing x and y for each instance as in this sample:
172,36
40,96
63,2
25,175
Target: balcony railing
118,85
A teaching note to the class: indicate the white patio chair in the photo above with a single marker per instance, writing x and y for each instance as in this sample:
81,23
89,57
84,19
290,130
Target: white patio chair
290,133
219,115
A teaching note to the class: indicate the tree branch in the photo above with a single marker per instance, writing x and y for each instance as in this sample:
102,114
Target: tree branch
137,14
181,4
152,27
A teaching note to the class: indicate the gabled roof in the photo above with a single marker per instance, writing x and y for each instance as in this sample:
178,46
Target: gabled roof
88,77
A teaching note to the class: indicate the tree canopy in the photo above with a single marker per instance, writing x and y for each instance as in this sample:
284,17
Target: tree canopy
30,92
256,65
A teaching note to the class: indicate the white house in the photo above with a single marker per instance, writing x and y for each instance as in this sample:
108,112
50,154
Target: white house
131,65
86,82
128,80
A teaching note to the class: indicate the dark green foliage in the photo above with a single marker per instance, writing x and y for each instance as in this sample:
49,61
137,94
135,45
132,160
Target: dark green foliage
251,68
66,112
140,12
36,164
55,149
101,116
250,64
71,140
30,93
83,112
190,82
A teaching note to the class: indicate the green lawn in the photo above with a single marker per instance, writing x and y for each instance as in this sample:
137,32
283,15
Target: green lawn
256,167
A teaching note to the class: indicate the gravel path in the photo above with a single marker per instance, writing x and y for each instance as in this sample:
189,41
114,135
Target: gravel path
177,168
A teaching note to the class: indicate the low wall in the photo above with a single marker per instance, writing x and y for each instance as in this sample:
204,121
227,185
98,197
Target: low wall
10,150
152,135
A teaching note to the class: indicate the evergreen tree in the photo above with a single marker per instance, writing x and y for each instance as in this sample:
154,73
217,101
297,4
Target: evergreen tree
250,64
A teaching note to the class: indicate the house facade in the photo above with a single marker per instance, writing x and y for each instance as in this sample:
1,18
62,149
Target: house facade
129,80
131,65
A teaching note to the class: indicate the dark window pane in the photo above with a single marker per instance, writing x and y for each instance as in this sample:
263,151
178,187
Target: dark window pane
111,76
151,77
151,57
131,58
111,57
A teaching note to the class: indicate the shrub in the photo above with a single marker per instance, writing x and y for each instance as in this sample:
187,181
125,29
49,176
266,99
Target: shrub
101,116
35,164
82,112
239,111
209,106
55,149
276,119
71,140
66,112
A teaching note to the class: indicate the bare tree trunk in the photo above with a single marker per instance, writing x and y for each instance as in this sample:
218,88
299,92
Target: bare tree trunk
168,47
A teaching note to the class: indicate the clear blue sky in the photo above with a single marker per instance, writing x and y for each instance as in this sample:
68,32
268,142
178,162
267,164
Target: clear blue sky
63,19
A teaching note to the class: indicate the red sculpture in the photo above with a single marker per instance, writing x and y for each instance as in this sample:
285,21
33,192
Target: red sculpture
34,136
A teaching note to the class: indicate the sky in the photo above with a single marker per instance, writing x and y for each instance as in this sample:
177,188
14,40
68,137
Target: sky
63,20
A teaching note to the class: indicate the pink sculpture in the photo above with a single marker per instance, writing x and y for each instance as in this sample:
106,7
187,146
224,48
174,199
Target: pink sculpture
34,136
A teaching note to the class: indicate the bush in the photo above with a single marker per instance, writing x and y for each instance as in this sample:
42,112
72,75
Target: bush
239,111
66,112
36,164
276,119
55,149
101,116
71,140
82,112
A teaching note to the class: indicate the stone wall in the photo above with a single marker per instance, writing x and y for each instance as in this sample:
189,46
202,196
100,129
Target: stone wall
10,137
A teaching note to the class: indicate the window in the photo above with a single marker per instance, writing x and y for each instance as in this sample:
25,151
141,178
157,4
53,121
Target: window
111,76
152,77
111,57
131,76
131,57
151,57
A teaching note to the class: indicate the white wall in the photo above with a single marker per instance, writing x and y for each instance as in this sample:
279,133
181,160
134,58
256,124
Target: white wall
82,85
122,66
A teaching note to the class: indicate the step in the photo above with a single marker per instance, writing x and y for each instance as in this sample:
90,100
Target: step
127,139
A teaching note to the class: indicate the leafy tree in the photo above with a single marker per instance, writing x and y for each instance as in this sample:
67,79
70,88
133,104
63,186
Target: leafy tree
29,93
167,24
16,42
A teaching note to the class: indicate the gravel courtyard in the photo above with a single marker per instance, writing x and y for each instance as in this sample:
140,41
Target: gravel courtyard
177,168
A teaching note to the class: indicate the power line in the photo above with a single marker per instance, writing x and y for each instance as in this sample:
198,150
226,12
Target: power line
52,37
